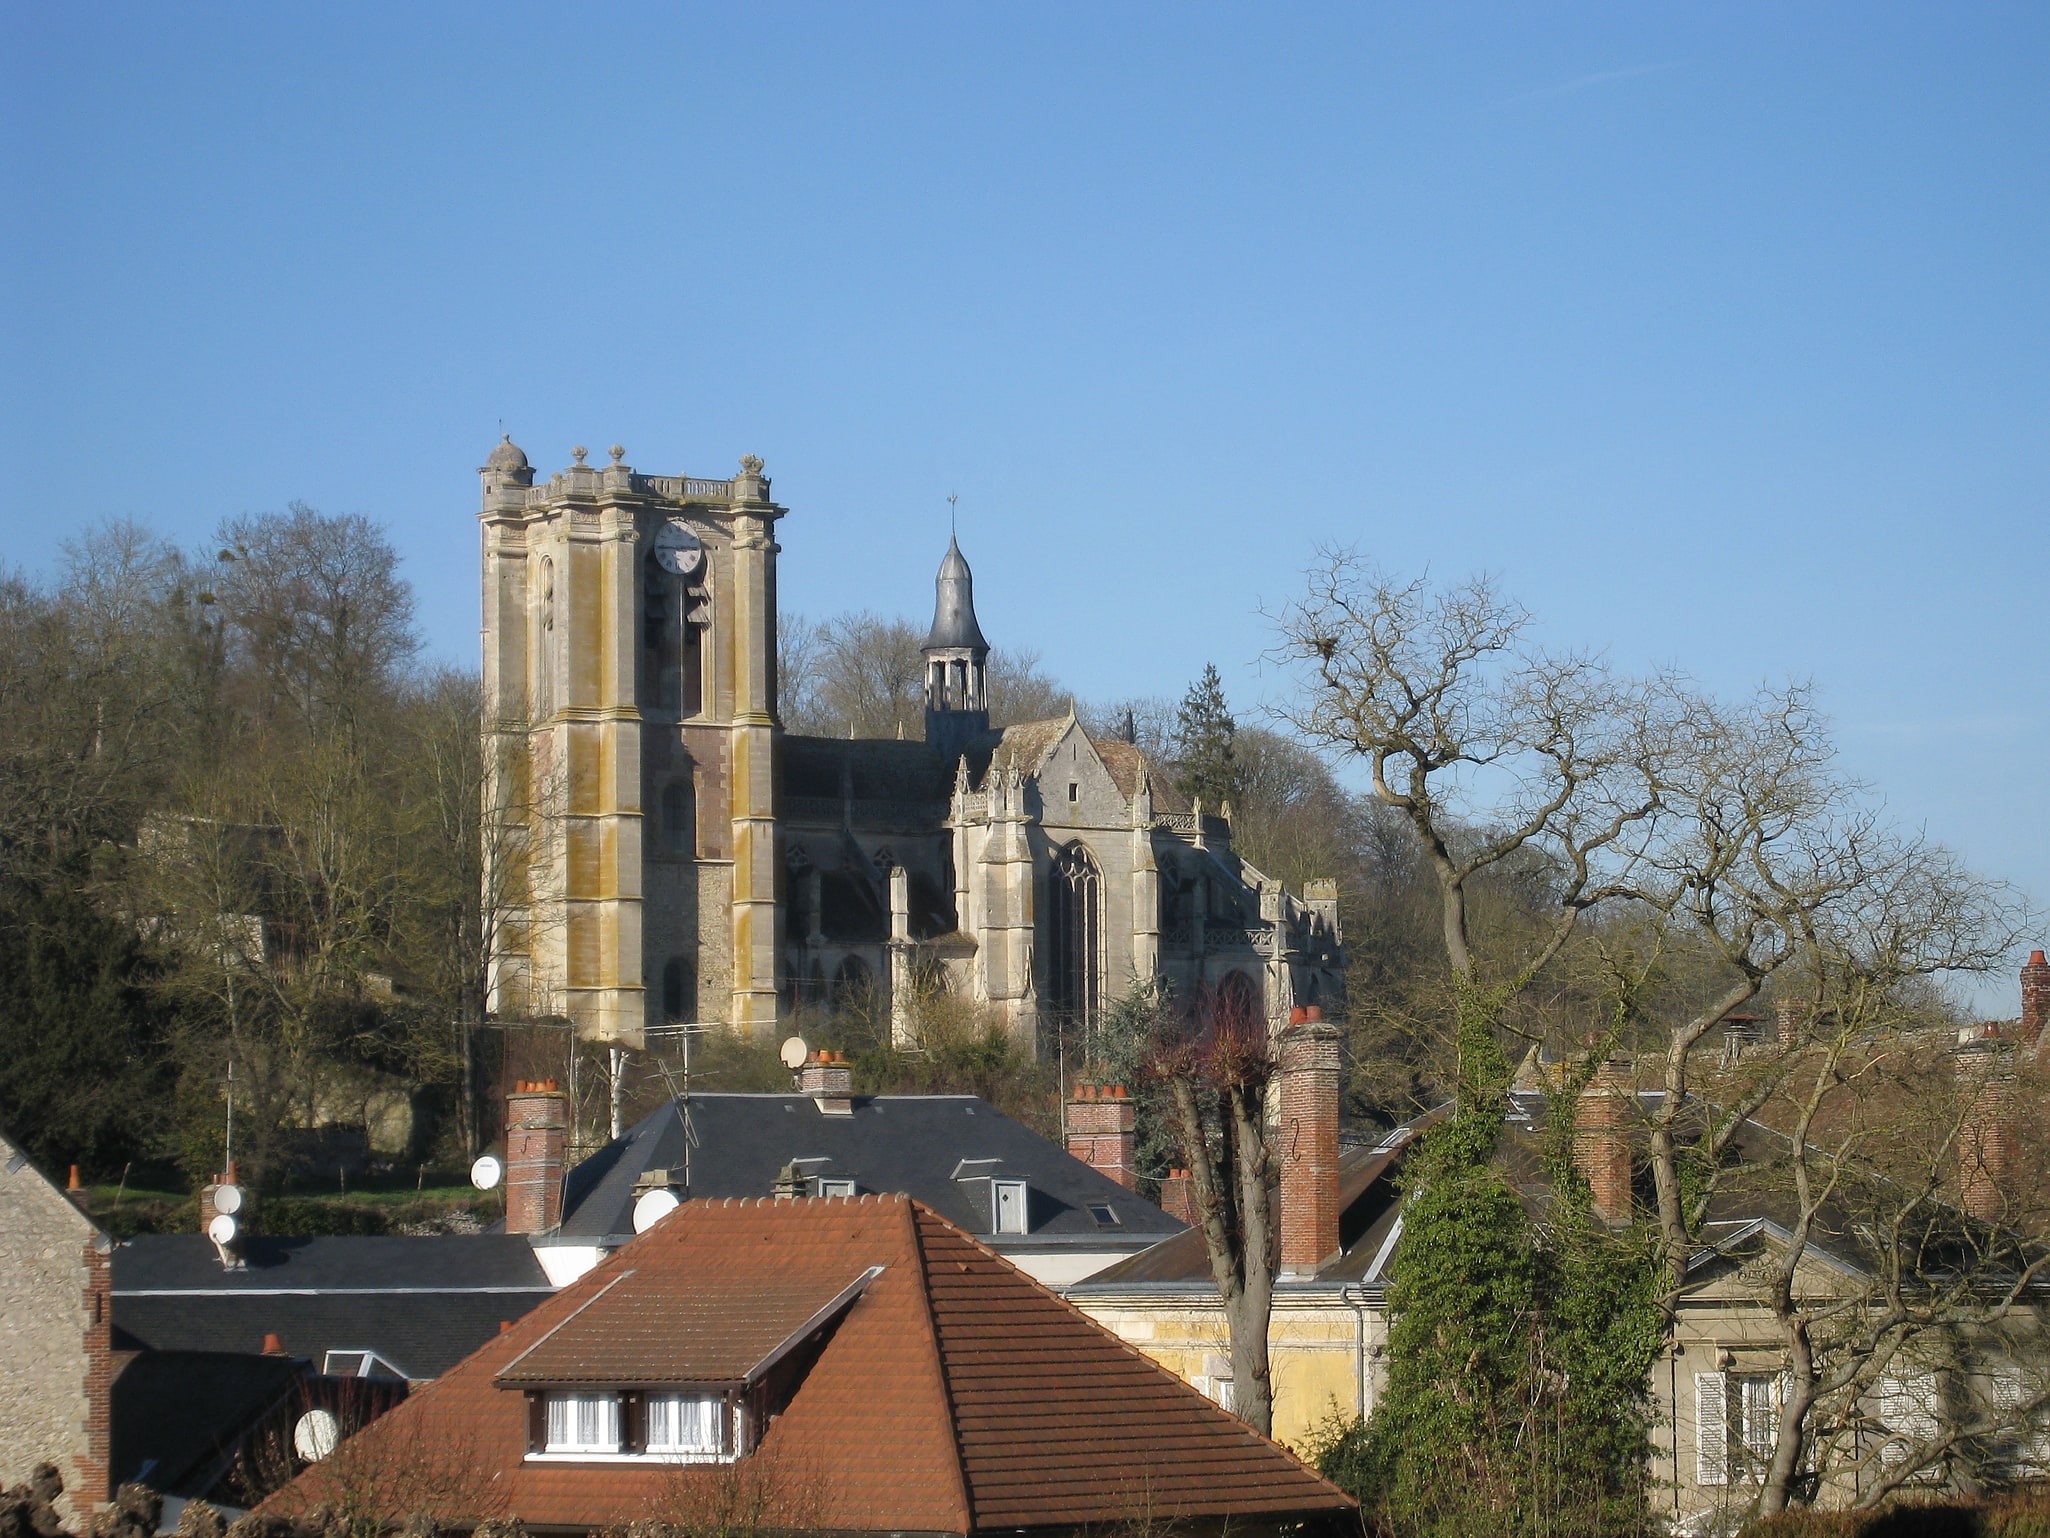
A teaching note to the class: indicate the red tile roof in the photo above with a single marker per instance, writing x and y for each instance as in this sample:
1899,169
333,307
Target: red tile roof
955,1394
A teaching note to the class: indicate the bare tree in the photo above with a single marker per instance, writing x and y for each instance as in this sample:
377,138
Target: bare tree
1217,1063
1496,753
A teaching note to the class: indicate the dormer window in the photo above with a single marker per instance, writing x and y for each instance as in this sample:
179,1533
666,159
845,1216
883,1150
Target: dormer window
583,1423
688,1423
836,1187
639,1375
1007,1198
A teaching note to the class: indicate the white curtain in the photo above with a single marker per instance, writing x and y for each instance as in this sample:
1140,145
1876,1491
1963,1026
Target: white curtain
583,1423
686,1423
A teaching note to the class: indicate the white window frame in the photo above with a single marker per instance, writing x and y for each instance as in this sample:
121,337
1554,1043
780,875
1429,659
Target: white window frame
566,1424
835,1186
669,1408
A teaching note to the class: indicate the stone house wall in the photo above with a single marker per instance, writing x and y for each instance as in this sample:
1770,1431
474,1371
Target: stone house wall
55,1336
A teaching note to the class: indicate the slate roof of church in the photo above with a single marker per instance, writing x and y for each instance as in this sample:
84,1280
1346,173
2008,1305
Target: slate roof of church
915,1144
953,1395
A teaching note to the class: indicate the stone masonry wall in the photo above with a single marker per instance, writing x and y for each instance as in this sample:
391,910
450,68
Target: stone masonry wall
53,1350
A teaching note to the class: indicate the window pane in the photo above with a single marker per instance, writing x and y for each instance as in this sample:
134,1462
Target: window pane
686,1423
583,1423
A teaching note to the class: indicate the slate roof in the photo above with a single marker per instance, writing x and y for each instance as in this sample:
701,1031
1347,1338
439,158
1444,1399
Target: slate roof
182,1413
913,1144
421,1304
954,1395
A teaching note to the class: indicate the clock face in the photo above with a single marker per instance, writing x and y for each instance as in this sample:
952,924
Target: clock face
678,550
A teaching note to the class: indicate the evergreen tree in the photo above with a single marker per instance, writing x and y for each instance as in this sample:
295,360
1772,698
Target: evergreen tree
1203,738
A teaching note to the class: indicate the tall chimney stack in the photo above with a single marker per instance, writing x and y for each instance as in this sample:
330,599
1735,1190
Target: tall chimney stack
1601,1141
1985,1136
1103,1130
2035,1002
1308,1142
1177,1198
536,1156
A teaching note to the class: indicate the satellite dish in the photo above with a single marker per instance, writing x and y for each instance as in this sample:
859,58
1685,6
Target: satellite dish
316,1435
486,1173
653,1207
222,1230
794,1053
228,1199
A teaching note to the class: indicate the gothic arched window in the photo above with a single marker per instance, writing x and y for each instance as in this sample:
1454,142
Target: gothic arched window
1074,937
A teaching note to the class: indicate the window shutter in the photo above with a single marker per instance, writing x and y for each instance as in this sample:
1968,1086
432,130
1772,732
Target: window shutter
1907,1407
632,1422
537,1423
1711,1429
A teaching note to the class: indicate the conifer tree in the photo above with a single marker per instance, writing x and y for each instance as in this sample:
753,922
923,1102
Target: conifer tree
1203,738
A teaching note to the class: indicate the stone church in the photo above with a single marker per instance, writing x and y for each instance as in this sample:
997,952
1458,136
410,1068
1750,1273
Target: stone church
661,851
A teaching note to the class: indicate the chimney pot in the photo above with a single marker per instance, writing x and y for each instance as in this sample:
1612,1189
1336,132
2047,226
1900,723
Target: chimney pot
2035,1000
74,1184
1309,1140
504,1325
1177,1199
1103,1132
536,1157
1986,1132
830,1083
1601,1142
273,1344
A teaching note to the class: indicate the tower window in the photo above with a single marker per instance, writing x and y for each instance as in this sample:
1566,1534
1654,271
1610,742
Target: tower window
1074,936
679,819
679,991
1073,791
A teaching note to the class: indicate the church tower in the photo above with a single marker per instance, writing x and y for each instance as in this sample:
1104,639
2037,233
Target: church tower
956,663
629,722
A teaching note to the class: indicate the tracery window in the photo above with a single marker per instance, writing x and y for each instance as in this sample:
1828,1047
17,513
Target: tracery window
1074,939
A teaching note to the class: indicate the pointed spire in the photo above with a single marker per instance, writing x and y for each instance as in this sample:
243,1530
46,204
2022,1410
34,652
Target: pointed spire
953,615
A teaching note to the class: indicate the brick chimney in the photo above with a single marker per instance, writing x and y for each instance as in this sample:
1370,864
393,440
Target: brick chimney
1103,1130
1986,1127
1307,1141
1601,1141
829,1079
2035,1002
1786,1017
1178,1196
536,1156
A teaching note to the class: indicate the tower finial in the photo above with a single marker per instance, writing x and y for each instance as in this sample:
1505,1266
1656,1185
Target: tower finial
953,522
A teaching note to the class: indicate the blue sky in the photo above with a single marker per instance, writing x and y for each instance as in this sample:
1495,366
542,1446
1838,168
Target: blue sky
1717,331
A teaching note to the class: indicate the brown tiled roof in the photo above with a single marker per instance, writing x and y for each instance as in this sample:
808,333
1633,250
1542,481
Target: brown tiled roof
954,1395
643,1329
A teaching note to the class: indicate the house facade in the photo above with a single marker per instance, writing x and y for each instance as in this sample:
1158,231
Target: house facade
825,1364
